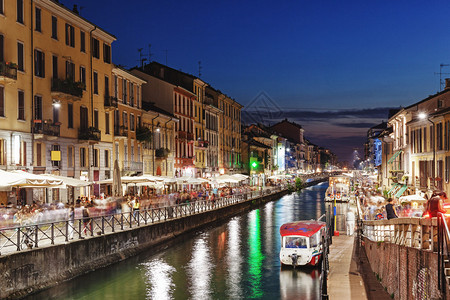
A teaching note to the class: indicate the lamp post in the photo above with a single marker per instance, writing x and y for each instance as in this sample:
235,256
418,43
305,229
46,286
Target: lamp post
424,116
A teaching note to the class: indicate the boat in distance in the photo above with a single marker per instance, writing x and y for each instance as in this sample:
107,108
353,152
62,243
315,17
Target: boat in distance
302,243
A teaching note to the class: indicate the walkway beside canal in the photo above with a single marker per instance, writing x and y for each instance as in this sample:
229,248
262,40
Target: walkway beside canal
350,275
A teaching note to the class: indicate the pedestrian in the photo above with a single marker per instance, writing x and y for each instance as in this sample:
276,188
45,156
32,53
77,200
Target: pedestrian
136,207
71,222
434,205
350,222
86,219
391,213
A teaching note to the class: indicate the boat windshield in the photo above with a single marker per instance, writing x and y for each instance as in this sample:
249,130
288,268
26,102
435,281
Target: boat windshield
295,242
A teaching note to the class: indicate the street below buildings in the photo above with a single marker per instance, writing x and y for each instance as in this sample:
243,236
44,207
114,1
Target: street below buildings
235,260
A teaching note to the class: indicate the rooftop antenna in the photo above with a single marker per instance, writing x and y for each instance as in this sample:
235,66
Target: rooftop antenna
141,57
150,54
200,68
441,82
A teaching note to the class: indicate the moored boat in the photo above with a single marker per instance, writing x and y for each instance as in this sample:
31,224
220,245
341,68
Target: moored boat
302,243
338,189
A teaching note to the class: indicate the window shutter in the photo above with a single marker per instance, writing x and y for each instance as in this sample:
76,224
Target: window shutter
1,48
67,34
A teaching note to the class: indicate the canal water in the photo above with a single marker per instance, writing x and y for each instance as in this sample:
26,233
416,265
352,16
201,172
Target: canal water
236,260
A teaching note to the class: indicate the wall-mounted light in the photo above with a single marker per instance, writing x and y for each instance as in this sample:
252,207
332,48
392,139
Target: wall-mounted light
56,103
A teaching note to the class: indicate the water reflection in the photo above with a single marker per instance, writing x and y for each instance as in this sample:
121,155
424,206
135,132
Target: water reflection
158,276
234,259
291,289
199,269
255,256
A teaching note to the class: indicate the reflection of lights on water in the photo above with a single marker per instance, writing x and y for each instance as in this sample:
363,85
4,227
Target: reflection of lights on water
268,226
199,269
255,258
234,260
159,279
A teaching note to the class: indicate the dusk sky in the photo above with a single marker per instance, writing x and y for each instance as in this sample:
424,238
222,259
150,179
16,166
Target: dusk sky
335,67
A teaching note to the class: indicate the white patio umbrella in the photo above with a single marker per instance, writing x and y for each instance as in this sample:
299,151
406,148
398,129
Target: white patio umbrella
240,177
70,181
25,179
409,198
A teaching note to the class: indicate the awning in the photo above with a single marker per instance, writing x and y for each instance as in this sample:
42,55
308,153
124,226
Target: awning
401,191
394,156
392,188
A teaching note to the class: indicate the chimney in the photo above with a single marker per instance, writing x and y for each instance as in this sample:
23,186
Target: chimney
75,9
447,83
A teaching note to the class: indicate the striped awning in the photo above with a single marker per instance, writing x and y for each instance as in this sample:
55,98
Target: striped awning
401,190
394,156
392,188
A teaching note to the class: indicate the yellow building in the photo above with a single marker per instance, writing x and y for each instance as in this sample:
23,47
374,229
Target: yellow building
55,119
126,104
201,144
230,160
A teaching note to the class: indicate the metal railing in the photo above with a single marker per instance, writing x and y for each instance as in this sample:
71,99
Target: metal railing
443,251
28,236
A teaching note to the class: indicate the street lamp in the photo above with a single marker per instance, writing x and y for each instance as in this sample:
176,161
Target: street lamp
424,116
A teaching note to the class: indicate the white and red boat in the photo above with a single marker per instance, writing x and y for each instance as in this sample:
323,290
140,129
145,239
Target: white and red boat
301,243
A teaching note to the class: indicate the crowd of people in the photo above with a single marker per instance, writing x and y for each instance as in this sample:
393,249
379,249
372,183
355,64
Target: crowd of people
91,207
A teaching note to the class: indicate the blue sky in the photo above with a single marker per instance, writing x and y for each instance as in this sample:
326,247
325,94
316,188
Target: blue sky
305,55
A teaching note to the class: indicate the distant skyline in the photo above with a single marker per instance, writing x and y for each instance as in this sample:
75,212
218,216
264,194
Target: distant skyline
320,57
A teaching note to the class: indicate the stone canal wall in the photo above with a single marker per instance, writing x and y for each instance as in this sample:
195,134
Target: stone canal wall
405,272
29,271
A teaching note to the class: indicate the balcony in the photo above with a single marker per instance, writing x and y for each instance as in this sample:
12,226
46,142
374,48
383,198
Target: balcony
46,128
186,162
110,102
67,89
8,72
184,135
162,153
133,166
121,132
202,144
90,134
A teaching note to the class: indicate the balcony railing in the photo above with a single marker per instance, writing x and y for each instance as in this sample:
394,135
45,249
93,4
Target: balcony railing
89,134
47,127
202,144
184,135
121,131
8,70
68,87
110,102
186,161
136,166
162,152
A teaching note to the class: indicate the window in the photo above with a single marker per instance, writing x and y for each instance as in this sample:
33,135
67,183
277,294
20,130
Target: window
70,159
83,118
107,53
95,48
70,70
95,158
132,122
82,41
37,107
2,101
125,119
83,160
1,48
55,114
96,118
55,66
38,154
21,106
19,56
70,35
124,91
69,115
83,76
1,7
39,63
106,158
131,94
20,11
95,83
106,86
107,123
54,28
37,19
138,96
116,86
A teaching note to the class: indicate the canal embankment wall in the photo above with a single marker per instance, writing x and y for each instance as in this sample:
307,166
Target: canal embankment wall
405,272
29,271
